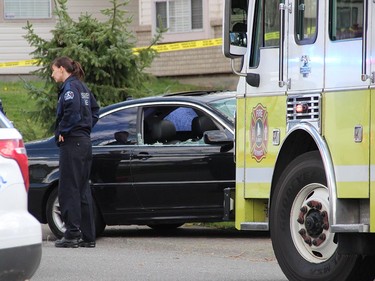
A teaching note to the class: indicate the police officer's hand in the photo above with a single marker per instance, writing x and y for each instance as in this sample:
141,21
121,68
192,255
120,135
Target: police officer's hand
61,138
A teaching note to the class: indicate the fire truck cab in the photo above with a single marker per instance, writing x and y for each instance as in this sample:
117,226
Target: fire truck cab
305,128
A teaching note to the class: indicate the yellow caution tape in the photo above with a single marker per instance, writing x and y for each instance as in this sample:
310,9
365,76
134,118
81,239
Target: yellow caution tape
159,48
184,45
18,63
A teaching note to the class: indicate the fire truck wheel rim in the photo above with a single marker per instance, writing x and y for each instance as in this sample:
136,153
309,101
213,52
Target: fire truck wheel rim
309,224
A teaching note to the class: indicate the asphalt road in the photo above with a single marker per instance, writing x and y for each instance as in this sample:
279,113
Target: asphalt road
190,253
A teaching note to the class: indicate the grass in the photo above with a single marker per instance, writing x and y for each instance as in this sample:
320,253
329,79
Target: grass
18,105
218,225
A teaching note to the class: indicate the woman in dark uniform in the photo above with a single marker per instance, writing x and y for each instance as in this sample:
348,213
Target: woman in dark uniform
77,113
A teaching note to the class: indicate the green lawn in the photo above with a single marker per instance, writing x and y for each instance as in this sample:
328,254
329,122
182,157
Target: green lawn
18,105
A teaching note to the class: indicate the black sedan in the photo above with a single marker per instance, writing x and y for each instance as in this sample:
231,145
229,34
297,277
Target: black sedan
159,161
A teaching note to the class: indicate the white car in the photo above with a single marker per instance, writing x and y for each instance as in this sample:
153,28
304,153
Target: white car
20,232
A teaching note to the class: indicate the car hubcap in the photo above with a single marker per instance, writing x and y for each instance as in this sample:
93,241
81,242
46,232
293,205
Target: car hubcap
56,216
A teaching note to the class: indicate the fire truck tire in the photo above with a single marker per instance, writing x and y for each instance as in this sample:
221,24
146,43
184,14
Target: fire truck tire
304,247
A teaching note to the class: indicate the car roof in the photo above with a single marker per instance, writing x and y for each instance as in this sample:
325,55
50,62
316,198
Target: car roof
202,97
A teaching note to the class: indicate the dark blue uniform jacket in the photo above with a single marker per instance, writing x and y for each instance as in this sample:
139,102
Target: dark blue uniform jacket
77,109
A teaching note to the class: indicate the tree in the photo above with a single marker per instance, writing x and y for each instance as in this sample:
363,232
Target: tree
105,50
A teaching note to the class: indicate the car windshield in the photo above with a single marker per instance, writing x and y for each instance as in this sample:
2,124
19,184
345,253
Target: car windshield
225,106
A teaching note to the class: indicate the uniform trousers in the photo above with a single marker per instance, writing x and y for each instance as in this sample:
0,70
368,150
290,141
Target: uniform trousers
74,191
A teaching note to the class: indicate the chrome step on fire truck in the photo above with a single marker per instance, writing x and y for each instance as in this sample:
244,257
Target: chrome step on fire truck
305,129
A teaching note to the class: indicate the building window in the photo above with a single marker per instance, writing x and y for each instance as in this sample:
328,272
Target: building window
179,15
27,9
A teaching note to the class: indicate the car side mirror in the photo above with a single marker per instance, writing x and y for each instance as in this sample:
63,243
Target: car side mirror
217,137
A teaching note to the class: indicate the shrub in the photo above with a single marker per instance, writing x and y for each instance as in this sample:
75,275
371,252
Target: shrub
104,49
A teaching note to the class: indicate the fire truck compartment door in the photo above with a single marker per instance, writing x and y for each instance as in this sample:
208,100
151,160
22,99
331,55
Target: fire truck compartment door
347,102
371,40
343,57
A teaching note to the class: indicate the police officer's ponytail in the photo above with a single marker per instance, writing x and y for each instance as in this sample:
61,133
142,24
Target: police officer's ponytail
72,67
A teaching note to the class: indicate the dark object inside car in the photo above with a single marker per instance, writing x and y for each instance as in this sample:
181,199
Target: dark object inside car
163,131
201,124
121,137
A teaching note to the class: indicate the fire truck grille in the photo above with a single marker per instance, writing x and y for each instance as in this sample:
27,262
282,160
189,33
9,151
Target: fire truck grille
304,108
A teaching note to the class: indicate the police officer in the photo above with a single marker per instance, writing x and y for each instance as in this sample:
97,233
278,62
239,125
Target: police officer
77,113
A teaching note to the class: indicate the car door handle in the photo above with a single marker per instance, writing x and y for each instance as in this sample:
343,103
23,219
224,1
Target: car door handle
141,155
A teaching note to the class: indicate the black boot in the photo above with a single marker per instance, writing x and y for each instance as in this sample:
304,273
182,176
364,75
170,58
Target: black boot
67,243
86,244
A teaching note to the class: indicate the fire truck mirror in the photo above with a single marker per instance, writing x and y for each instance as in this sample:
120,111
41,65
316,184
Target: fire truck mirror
253,79
235,28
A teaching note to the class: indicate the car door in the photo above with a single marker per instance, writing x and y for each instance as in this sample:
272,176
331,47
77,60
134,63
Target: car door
180,177
113,139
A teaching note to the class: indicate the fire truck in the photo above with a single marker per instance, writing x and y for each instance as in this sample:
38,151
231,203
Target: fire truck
305,128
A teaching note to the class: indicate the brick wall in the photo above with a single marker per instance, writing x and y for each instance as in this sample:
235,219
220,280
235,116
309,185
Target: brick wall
201,61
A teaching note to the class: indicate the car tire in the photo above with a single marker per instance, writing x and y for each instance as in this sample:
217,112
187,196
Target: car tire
303,182
99,221
55,221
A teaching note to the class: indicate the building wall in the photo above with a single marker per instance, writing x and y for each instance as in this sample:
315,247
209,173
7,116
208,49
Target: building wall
13,45
204,61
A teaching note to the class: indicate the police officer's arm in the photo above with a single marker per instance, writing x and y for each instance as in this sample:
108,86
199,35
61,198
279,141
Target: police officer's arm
94,110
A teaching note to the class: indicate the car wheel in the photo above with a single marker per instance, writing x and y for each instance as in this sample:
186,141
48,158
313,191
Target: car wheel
56,223
299,223
54,219
99,221
165,226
